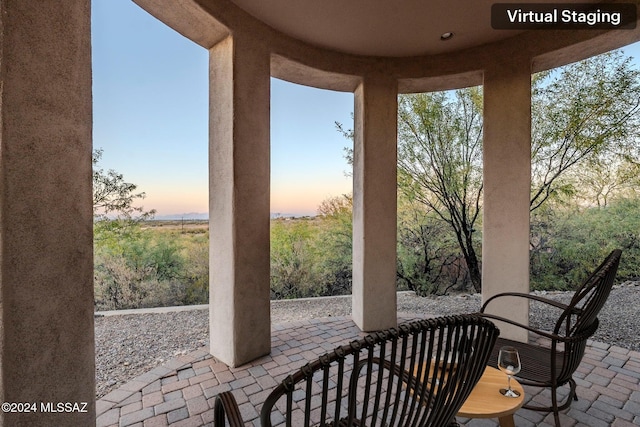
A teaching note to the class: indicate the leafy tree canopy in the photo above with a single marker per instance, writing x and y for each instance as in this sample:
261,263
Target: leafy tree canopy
113,197
584,118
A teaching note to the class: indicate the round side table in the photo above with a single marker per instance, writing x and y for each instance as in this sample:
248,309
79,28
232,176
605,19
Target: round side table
485,400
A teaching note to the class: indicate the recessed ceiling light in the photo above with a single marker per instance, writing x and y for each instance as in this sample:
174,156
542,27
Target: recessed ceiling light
446,36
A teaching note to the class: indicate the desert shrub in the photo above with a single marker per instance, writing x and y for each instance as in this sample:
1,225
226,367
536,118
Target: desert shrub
292,259
136,268
117,284
335,245
568,243
137,265
196,269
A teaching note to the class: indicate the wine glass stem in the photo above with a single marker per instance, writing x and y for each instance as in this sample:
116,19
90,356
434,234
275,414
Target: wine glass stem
509,382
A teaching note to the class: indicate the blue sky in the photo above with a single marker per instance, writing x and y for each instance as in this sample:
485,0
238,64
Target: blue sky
150,90
150,96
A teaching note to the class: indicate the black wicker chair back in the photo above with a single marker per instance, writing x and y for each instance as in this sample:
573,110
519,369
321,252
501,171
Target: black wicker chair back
418,374
590,297
554,364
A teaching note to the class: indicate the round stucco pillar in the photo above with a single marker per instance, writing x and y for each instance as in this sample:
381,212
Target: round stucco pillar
375,204
46,215
239,201
507,183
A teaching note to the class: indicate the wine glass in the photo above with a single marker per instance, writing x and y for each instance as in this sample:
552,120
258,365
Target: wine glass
509,363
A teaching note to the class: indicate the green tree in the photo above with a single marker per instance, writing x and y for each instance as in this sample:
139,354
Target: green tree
584,115
113,196
440,162
584,132
603,181
428,261
131,269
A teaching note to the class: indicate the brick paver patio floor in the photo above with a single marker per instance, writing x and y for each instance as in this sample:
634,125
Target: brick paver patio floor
181,392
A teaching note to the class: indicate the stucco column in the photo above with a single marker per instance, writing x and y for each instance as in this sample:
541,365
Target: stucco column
46,215
374,204
239,201
507,181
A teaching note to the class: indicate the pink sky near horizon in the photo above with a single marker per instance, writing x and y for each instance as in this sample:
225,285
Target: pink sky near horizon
295,198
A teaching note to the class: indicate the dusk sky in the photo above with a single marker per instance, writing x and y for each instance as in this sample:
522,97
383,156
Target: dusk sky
150,97
150,94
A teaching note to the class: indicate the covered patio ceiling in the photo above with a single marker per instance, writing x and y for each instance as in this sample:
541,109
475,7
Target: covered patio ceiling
380,27
327,44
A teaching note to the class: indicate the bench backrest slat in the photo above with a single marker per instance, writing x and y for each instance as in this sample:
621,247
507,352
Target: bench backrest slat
418,374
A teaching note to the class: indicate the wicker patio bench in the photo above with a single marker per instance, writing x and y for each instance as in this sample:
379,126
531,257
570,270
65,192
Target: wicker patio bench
418,374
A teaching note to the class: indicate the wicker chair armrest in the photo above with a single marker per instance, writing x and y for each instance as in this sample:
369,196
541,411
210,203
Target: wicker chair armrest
545,334
537,298
226,408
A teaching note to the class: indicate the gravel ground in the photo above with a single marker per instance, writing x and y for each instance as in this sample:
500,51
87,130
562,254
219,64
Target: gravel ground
129,345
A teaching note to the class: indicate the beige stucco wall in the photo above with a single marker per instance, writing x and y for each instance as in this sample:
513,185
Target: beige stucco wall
239,165
46,265
507,183
374,204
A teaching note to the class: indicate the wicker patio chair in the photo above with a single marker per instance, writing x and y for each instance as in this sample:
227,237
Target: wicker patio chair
552,363
418,374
